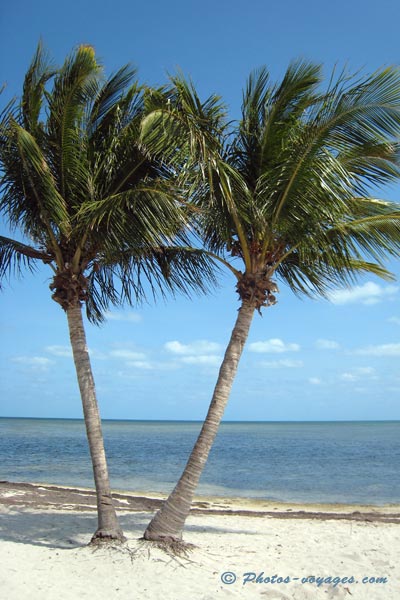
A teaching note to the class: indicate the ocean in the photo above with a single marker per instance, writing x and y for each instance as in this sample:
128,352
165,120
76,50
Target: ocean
327,462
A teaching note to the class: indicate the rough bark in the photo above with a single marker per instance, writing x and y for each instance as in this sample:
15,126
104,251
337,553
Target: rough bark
108,526
169,521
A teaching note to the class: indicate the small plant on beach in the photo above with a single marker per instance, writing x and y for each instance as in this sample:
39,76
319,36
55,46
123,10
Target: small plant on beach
286,195
87,182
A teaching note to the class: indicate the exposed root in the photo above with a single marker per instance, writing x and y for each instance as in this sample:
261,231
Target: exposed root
171,546
174,550
115,549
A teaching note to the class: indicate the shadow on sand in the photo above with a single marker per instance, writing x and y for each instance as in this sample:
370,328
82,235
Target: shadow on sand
61,529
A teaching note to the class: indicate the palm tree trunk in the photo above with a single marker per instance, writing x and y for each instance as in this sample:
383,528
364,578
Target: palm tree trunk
169,521
108,526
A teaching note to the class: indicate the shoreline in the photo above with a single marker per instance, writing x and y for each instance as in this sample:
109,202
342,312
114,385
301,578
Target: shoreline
240,549
44,495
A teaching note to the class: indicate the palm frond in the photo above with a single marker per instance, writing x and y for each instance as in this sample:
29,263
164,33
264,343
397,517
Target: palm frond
97,170
375,232
320,271
180,126
38,178
109,98
16,256
75,85
147,215
289,192
268,113
38,74
346,119
137,275
167,269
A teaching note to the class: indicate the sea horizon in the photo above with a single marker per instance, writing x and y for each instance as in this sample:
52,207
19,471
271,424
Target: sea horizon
202,420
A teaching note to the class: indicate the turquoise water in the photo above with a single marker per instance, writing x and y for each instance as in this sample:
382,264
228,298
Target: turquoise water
349,462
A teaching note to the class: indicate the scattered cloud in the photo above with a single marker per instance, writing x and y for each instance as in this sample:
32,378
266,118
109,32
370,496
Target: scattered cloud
131,317
315,381
395,320
135,360
140,364
200,352
273,346
282,364
132,367
128,355
65,351
349,377
37,363
322,344
359,373
199,347
369,293
380,350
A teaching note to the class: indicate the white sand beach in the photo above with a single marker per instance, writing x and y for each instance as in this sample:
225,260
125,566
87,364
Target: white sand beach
44,556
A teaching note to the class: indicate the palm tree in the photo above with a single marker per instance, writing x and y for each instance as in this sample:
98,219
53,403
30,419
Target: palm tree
93,202
288,196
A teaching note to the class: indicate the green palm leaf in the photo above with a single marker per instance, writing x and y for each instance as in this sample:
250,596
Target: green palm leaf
93,174
38,74
39,179
16,256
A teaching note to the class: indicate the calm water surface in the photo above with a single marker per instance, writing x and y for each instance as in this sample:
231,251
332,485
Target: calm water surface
306,462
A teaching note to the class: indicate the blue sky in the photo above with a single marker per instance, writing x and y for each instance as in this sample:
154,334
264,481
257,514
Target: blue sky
305,359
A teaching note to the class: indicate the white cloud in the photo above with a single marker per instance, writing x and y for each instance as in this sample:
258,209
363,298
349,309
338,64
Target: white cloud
273,346
380,350
128,355
39,363
349,377
131,368
131,317
199,347
327,344
365,370
282,364
369,293
65,351
176,347
359,373
140,364
200,352
395,320
315,381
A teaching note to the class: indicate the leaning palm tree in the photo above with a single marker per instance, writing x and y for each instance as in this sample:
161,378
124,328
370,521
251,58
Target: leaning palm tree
92,201
288,197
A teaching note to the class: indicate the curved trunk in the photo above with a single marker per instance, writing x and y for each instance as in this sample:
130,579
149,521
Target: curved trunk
169,521
108,526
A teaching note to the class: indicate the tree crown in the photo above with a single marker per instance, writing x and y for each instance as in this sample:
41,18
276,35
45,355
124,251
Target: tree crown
288,188
92,193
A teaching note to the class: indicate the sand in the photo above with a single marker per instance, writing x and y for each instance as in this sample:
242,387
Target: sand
43,553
